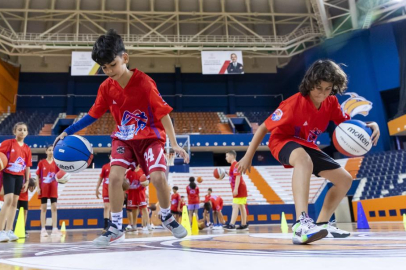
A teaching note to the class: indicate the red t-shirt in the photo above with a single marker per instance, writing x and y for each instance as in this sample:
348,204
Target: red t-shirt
105,172
46,174
19,157
207,198
216,203
136,192
242,188
137,109
298,120
175,198
193,195
182,203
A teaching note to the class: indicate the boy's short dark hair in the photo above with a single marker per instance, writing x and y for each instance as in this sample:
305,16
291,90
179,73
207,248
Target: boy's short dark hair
207,206
232,152
107,47
182,197
209,189
175,188
324,70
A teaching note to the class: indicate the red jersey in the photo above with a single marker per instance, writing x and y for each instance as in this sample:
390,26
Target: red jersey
216,202
175,199
105,172
23,196
298,120
19,157
46,174
207,198
136,192
182,203
193,195
137,109
242,188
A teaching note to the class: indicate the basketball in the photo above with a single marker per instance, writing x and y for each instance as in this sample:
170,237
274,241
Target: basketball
143,178
126,184
152,206
3,161
199,179
219,173
352,138
73,154
62,177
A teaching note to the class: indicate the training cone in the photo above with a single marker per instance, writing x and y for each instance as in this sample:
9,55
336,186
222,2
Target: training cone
195,226
284,224
404,220
362,222
63,228
185,220
20,226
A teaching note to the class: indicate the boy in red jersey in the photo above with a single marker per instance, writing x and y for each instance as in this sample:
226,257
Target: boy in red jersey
137,200
47,188
193,198
215,203
240,194
175,203
142,124
104,176
18,168
294,128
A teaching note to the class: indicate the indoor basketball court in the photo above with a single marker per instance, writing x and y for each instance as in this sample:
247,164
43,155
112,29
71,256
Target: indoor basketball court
277,126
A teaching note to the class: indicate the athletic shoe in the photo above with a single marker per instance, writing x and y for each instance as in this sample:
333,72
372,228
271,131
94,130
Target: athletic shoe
113,235
55,232
171,224
12,236
150,228
4,237
129,228
230,227
333,231
305,231
218,228
242,228
145,229
44,233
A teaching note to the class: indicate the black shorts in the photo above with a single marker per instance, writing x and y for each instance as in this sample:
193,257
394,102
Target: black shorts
12,183
45,200
23,204
176,212
321,161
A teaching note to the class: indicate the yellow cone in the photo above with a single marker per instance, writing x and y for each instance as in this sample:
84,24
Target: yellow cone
20,226
195,226
185,220
284,224
404,221
63,228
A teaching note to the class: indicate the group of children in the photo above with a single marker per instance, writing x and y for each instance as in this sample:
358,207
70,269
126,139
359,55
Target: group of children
16,181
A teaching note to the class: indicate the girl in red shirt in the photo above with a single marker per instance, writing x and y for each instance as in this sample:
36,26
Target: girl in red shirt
48,189
19,163
294,128
193,198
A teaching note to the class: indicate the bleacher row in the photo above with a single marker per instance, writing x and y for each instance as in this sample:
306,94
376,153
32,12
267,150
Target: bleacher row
382,175
184,122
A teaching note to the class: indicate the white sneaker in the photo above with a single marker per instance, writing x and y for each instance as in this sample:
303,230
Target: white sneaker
305,231
56,232
44,233
149,227
145,229
333,231
12,236
4,237
129,228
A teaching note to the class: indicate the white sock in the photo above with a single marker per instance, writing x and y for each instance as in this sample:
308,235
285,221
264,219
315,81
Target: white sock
165,212
117,219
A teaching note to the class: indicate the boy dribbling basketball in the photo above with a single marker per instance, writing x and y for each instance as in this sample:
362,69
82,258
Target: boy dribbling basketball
142,124
294,128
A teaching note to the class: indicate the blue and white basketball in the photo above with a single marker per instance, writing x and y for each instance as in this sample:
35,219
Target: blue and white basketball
352,138
73,154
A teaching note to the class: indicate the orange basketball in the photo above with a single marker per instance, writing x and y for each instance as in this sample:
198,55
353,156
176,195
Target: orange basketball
199,179
3,161
126,184
143,178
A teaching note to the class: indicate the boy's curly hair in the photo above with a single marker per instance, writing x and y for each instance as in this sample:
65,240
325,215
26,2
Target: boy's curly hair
107,47
324,70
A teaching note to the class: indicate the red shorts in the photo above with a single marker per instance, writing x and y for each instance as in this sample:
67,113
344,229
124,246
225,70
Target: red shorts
105,193
136,199
49,190
149,153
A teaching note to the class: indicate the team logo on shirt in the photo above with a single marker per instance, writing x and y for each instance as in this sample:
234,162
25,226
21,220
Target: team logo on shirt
356,105
49,178
120,150
313,135
127,132
135,184
277,115
18,166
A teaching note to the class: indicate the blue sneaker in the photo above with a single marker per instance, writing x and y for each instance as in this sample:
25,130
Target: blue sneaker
171,224
112,235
